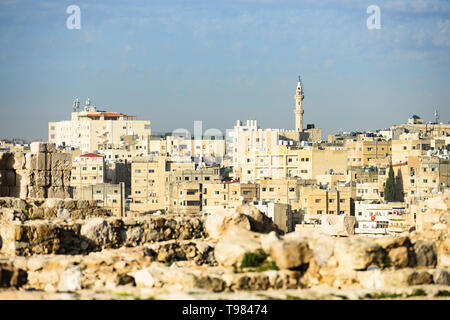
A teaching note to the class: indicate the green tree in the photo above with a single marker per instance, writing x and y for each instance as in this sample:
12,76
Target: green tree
389,188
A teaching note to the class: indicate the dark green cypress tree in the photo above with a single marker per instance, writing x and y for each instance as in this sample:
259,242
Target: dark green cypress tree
389,188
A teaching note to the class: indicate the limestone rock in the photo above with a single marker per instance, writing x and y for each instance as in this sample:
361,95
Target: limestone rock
268,239
11,276
338,225
221,220
259,222
70,279
290,254
231,249
99,233
399,257
358,254
425,253
440,276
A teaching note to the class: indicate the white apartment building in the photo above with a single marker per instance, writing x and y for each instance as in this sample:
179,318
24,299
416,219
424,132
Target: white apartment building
91,130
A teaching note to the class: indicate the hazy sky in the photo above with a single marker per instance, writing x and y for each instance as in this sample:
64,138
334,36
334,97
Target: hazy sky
173,62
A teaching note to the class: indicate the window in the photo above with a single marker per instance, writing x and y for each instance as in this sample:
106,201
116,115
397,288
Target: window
331,200
137,171
317,201
84,168
207,178
94,168
151,171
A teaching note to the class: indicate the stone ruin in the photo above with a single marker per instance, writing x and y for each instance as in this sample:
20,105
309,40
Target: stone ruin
41,173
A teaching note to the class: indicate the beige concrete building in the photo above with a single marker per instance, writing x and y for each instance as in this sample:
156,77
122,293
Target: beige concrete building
416,124
184,188
108,196
91,130
282,162
148,183
87,169
361,152
207,149
414,145
228,194
315,202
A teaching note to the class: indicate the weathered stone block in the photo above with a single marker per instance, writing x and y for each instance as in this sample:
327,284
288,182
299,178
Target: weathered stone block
8,178
37,192
57,178
338,225
58,192
51,147
37,147
23,178
290,254
61,161
42,178
358,254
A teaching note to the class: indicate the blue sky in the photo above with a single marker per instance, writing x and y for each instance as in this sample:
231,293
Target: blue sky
173,62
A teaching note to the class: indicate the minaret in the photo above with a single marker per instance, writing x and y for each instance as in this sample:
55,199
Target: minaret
299,106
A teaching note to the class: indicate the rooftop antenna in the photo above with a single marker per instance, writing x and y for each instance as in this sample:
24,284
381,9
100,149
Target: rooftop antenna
88,102
76,105
436,116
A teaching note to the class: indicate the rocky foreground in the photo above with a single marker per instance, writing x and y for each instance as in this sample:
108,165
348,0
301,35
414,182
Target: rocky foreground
65,249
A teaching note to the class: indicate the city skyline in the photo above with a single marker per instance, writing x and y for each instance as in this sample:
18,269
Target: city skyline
173,63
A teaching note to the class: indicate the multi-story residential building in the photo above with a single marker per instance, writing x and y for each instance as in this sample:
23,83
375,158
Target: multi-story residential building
208,149
301,162
148,184
184,188
426,175
108,196
282,190
360,152
414,145
416,124
91,130
87,169
160,184
315,202
378,219
228,194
